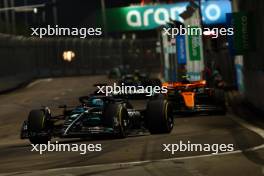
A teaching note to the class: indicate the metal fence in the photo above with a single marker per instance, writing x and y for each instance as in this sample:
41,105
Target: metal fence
23,57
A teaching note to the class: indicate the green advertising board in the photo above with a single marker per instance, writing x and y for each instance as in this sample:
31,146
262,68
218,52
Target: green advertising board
141,17
243,39
241,35
152,16
194,45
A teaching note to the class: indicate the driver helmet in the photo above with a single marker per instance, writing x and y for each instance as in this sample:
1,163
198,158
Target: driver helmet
97,102
185,79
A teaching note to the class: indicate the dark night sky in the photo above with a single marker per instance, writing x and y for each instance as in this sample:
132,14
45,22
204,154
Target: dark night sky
71,13
75,12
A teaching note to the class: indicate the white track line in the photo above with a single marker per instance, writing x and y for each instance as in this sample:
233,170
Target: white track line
160,160
39,81
249,126
243,123
126,164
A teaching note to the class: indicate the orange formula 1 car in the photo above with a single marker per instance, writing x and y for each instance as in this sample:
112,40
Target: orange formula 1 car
195,96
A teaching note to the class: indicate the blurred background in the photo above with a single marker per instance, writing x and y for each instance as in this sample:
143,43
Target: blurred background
239,58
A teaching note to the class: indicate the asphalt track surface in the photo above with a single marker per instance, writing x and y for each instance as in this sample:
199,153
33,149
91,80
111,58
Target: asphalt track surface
139,154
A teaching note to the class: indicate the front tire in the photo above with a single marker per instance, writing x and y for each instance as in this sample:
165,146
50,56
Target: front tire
37,123
159,116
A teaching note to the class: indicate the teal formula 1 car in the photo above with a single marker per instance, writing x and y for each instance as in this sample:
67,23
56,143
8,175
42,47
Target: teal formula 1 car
98,115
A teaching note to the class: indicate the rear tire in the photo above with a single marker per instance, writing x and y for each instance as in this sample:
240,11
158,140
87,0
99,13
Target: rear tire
37,122
159,116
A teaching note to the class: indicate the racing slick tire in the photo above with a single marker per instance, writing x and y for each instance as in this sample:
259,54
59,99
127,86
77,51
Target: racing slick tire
116,112
159,116
219,96
37,122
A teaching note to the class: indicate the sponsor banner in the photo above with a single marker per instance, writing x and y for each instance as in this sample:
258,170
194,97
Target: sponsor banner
243,38
239,73
214,12
152,16
195,61
195,46
230,39
181,49
166,65
241,35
